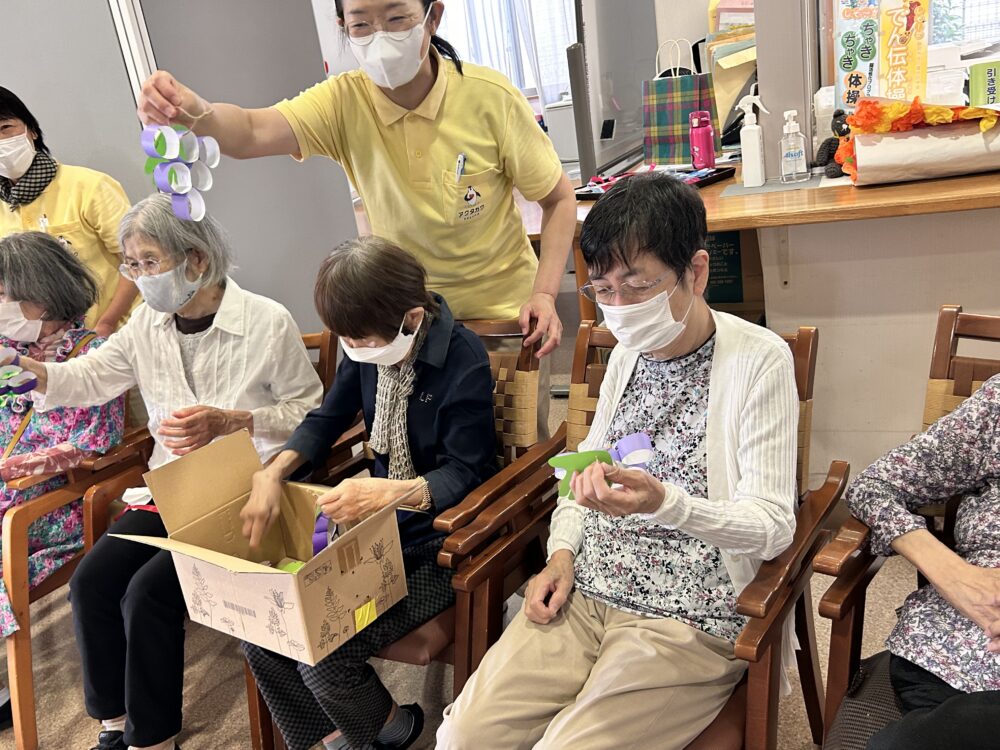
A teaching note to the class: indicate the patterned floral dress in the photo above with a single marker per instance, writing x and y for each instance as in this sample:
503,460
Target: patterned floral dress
637,565
55,538
958,454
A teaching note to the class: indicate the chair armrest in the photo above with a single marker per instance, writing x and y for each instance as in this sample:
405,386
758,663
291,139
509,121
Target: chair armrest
495,558
98,499
479,499
136,441
760,595
851,539
850,587
24,483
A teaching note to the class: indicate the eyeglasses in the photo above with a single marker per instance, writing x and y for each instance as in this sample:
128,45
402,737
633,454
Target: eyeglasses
136,268
398,27
629,292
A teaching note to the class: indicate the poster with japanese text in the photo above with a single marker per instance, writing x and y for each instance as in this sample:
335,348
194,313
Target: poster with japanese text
903,54
983,89
857,45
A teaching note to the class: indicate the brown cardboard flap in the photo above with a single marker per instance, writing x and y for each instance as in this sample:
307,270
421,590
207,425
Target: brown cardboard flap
298,518
233,564
221,531
205,480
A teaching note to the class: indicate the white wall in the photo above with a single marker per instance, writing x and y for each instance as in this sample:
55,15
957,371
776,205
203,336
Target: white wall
284,217
63,60
681,19
874,288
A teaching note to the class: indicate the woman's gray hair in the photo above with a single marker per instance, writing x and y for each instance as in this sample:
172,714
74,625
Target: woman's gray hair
36,267
153,218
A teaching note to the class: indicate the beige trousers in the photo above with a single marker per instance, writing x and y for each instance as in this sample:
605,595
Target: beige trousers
595,678
544,379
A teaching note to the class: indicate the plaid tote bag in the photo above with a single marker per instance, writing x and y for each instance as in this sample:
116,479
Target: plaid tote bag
667,102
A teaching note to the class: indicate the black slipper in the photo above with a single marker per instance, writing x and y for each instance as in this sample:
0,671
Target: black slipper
418,727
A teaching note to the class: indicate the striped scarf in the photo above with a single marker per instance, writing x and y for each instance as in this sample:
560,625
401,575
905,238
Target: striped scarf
392,398
32,183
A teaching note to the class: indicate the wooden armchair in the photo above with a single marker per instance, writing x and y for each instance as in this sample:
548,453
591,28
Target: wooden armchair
953,378
16,522
521,517
451,637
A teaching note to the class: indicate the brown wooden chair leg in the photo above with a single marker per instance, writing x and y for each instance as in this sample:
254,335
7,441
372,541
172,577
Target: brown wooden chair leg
762,701
22,686
262,729
807,656
845,638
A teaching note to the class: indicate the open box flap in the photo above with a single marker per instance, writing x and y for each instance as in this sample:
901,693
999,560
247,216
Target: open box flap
203,481
234,564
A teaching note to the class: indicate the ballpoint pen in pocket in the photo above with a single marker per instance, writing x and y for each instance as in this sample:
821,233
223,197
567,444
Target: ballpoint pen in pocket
459,167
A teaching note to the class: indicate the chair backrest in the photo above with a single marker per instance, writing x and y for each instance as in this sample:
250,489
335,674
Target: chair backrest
324,344
515,393
588,373
954,378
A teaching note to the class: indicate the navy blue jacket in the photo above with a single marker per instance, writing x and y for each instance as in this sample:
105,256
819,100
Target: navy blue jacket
449,419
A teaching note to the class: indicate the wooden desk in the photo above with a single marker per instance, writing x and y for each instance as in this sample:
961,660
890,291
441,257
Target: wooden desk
808,206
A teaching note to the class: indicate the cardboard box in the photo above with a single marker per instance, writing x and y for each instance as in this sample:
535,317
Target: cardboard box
305,615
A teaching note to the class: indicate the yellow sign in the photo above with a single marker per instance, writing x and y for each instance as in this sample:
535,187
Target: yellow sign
365,615
903,68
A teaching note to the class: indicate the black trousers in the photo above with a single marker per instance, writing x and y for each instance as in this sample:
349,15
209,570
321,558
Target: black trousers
128,612
936,715
343,691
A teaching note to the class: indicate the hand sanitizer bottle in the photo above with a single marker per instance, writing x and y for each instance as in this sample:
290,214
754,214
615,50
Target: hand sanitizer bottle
793,151
752,142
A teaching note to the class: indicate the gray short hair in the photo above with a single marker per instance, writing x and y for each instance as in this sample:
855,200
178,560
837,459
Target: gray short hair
35,267
153,218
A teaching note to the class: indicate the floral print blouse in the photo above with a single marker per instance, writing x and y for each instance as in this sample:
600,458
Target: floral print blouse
958,455
635,564
56,537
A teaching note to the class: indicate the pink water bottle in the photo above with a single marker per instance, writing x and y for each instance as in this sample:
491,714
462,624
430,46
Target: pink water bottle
701,136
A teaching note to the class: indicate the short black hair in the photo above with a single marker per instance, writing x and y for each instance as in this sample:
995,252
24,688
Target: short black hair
11,107
647,213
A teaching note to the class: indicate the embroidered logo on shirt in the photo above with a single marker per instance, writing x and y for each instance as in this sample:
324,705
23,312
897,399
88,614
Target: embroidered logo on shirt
426,398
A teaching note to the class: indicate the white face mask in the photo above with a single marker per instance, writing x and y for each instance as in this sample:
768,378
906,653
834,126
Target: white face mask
169,291
389,62
645,326
15,326
16,155
391,354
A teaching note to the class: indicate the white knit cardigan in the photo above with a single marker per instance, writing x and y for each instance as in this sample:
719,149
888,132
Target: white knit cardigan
753,412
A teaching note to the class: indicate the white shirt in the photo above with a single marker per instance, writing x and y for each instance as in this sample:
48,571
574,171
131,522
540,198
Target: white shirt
751,434
252,358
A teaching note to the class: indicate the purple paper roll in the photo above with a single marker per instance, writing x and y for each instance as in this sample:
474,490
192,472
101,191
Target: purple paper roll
633,450
319,535
189,206
23,382
172,177
172,142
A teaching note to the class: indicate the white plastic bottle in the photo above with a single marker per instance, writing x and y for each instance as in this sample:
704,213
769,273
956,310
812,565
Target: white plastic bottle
752,142
793,151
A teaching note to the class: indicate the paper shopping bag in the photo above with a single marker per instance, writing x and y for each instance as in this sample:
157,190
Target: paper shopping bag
668,101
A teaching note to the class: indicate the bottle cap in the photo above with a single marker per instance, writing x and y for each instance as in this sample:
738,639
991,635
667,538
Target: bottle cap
791,126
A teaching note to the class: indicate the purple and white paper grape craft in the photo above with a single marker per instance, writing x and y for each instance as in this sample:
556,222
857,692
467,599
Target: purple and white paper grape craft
181,164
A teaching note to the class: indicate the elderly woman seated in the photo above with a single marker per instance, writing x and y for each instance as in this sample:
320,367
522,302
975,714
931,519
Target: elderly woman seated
626,638
209,359
945,650
424,385
45,292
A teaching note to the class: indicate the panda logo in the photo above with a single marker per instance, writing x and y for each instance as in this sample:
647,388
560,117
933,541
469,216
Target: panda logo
472,196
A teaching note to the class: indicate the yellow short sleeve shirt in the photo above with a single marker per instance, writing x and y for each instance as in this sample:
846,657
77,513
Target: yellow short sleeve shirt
466,230
83,207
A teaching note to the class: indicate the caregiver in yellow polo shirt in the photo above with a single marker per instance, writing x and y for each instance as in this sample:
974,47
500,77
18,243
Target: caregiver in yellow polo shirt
434,148
75,204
